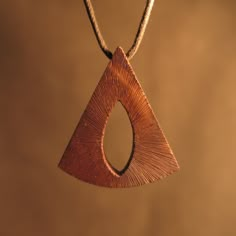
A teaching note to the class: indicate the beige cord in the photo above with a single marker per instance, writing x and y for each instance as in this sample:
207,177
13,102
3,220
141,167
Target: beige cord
138,38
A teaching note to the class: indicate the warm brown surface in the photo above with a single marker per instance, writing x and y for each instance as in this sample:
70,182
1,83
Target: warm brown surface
50,66
151,158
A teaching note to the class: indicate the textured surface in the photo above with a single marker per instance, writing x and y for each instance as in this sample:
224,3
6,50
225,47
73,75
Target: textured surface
151,158
50,66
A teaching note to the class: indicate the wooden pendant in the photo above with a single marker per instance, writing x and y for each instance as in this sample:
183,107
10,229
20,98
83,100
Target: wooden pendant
151,157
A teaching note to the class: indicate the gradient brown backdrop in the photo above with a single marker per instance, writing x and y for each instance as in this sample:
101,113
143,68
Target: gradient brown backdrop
50,64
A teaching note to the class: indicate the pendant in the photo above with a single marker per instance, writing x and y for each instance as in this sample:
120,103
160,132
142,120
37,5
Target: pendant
151,158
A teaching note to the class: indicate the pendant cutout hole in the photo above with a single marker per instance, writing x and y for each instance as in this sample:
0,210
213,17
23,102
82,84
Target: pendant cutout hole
118,140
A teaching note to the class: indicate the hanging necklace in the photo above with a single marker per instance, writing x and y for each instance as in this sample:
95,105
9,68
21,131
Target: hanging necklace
151,158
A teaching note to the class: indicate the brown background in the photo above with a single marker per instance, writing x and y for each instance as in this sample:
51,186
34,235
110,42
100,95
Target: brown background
50,64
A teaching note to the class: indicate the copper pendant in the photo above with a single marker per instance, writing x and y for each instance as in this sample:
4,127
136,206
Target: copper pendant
151,157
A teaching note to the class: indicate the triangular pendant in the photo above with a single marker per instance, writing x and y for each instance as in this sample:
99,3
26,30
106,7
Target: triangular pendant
151,158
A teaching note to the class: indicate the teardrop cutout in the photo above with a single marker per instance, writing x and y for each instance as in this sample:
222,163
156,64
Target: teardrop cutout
151,158
118,138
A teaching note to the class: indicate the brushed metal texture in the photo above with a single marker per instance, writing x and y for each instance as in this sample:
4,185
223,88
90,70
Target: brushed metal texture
151,158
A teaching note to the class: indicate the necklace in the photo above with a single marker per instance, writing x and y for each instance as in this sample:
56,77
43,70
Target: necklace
151,158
